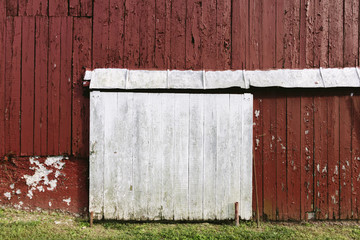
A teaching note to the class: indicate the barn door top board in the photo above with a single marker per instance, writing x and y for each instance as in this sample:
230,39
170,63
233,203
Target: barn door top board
170,156
175,79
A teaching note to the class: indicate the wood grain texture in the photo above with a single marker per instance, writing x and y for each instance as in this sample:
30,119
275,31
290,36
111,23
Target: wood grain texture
223,30
351,33
116,34
307,155
54,76
333,157
147,34
320,158
13,85
100,34
194,35
33,7
162,34
80,7
65,87
210,34
178,35
58,8
293,157
345,112
82,58
239,34
27,85
336,34
2,74
41,85
132,35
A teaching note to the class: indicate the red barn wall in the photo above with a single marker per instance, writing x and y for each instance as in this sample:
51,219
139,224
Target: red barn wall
305,141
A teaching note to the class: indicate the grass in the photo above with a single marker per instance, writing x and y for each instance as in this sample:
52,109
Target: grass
16,224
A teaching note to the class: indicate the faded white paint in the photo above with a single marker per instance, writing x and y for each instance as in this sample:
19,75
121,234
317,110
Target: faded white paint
40,181
170,156
7,195
67,200
175,79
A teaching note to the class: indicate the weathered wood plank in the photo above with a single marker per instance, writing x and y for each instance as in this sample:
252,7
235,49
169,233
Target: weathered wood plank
355,172
254,61
147,34
33,7
239,34
333,157
181,157
223,31
281,157
307,156
154,206
65,85
116,33
196,156
269,157
223,161
293,157
58,8
132,35
345,112
321,33
258,152
351,33
12,85
210,157
97,153
320,155
209,54
141,155
162,34
100,28
80,8
336,34
236,155
54,76
2,74
168,173
27,84
80,100
247,176
41,85
111,153
268,27
193,35
177,47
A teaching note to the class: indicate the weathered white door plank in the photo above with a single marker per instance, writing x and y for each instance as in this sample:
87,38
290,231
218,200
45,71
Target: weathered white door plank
168,172
96,189
181,155
196,157
247,166
210,156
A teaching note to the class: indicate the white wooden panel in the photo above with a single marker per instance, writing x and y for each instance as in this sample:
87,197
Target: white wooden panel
235,153
96,189
223,164
124,162
246,164
196,157
181,160
156,158
111,154
210,156
170,156
168,170
141,154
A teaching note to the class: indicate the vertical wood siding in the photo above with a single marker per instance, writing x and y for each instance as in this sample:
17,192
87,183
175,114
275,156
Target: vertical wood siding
43,113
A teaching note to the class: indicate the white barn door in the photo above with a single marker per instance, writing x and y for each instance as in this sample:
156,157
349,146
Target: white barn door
170,156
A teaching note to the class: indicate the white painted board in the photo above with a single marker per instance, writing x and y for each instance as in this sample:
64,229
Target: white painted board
168,156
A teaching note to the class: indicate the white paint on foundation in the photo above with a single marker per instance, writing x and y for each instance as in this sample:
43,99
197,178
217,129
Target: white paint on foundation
40,180
7,195
67,200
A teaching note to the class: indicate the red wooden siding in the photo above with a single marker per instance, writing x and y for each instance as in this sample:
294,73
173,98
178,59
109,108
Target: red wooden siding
305,141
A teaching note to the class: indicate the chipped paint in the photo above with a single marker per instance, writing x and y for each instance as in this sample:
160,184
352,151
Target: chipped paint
40,181
67,200
7,195
12,186
257,113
